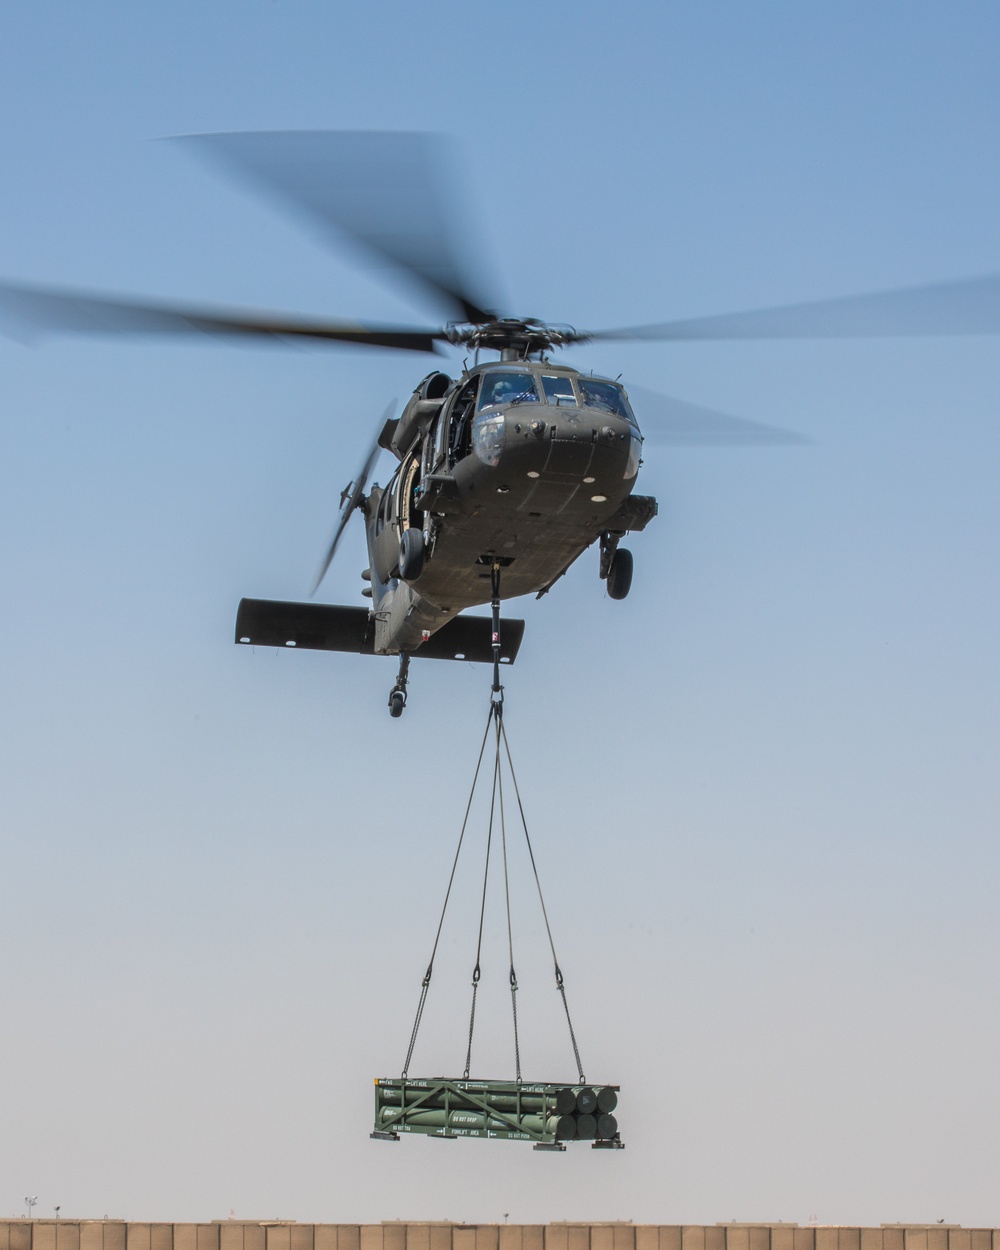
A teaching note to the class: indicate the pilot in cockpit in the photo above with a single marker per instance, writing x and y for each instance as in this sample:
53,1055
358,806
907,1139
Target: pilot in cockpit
518,388
503,392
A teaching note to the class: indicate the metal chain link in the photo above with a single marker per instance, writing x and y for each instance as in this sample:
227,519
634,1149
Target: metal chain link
513,1008
572,1035
416,1023
472,1021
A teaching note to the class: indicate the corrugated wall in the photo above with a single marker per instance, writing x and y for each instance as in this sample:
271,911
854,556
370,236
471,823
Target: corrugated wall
270,1235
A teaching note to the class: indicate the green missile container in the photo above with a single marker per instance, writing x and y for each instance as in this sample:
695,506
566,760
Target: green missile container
548,1115
558,1102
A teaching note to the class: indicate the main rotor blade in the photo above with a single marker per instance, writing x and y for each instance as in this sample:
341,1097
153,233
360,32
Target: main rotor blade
40,310
356,493
971,306
666,421
385,191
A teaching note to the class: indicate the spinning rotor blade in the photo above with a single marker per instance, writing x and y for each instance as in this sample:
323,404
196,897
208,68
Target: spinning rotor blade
971,306
351,498
42,310
385,191
674,423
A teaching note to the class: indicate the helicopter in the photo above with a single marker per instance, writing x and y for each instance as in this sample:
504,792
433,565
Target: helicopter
505,474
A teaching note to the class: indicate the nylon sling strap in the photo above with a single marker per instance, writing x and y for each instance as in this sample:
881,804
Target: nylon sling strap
502,750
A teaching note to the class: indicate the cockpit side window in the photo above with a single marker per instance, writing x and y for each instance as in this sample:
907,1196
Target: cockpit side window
385,505
387,498
458,433
507,387
558,389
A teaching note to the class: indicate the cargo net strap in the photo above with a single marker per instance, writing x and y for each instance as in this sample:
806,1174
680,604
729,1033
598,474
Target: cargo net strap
495,717
425,984
477,970
560,982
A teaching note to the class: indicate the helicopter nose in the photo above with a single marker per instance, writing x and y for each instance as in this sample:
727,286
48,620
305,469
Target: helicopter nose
566,443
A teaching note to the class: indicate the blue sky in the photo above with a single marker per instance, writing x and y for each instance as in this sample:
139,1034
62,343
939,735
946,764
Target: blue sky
762,790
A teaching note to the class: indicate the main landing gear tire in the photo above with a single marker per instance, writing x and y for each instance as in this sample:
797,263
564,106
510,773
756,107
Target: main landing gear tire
620,574
411,555
397,701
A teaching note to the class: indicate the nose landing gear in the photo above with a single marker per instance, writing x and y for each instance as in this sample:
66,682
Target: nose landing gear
397,695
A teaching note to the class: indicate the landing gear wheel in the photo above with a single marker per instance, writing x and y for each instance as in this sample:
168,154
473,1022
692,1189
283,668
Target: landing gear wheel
397,701
620,574
411,554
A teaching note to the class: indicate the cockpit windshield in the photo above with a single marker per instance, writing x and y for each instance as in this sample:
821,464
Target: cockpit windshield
507,387
558,389
608,396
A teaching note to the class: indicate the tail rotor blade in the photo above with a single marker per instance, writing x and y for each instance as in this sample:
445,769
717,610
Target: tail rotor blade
352,498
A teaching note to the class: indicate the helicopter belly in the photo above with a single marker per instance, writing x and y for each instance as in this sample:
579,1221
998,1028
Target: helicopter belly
404,618
531,558
535,513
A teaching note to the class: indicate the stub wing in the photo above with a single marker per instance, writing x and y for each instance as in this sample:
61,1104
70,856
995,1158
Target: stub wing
329,627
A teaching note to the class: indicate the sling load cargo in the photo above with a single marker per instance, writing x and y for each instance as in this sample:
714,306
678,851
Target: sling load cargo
545,1114
548,1115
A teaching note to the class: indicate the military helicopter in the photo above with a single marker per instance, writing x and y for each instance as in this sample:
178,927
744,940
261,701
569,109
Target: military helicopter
506,473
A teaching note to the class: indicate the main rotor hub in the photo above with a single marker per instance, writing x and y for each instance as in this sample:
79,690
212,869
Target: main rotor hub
515,338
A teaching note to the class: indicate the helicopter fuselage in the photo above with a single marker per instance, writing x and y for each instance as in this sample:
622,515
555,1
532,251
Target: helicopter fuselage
518,464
